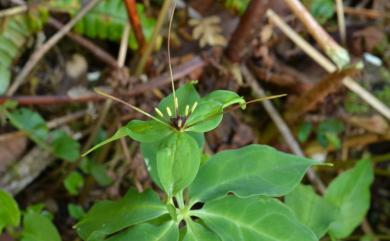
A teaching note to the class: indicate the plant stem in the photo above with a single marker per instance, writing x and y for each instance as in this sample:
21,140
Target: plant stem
156,31
180,199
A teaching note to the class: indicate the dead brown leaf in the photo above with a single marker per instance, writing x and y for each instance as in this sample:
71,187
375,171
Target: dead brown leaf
208,31
11,150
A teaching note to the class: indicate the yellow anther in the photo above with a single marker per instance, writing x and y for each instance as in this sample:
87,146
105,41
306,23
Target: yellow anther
179,123
159,112
176,103
187,110
194,106
169,112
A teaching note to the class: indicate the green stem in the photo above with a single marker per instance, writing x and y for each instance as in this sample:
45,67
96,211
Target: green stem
180,200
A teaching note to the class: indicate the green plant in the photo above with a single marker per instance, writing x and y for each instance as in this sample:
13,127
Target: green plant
229,196
343,206
34,126
235,189
37,225
327,132
322,10
237,5
14,34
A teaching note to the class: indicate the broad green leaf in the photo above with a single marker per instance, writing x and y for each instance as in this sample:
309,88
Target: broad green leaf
350,192
64,146
147,131
206,117
73,183
322,10
312,210
226,98
331,125
30,122
75,211
186,95
97,170
149,151
148,232
304,131
198,232
39,228
108,217
178,160
99,173
253,219
121,132
209,113
9,211
142,131
251,170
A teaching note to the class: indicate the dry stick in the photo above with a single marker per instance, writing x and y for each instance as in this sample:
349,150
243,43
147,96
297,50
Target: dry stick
245,30
39,53
341,21
362,12
338,54
157,82
87,44
13,11
328,65
135,21
156,31
281,125
108,103
106,108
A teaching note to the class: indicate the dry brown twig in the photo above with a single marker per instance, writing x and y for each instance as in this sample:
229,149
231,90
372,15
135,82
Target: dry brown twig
341,21
13,11
328,65
40,52
338,54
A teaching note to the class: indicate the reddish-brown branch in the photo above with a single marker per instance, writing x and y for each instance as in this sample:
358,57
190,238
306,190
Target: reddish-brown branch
180,71
249,24
135,21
